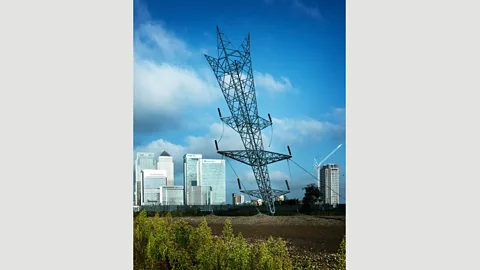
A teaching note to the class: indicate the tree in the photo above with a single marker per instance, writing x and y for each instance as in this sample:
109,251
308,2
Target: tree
312,195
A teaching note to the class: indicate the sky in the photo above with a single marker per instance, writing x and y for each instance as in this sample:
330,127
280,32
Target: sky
298,58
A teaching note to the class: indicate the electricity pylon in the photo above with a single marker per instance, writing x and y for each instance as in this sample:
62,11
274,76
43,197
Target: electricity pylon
234,73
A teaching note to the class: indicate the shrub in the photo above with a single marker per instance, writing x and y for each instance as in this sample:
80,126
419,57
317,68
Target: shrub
161,243
233,252
342,258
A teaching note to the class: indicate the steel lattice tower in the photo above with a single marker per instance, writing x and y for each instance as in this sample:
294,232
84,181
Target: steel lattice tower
234,73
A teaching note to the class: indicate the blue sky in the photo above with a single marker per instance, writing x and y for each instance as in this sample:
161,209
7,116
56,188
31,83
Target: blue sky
298,56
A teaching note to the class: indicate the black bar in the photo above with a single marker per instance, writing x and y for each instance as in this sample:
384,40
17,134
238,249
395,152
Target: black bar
269,117
216,144
288,187
239,186
219,113
289,152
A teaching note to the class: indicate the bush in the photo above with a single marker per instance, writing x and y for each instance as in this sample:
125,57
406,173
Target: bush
161,243
342,258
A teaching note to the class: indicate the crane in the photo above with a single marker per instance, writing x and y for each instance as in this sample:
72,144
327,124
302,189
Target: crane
318,166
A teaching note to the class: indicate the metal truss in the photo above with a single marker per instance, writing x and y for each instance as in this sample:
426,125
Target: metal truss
234,73
252,158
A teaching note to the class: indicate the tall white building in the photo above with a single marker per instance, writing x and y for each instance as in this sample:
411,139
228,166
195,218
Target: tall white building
330,184
143,161
165,162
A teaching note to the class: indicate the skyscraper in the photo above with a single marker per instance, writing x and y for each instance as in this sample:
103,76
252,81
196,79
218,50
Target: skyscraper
213,176
151,183
329,184
144,161
191,174
165,162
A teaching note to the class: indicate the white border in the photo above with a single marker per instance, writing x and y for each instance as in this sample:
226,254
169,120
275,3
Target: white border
67,97
412,135
412,139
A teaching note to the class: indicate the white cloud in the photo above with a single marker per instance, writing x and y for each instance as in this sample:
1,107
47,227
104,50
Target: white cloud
162,90
204,145
268,82
155,37
304,130
309,10
293,132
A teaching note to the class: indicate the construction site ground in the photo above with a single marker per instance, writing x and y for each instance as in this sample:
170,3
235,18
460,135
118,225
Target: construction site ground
315,238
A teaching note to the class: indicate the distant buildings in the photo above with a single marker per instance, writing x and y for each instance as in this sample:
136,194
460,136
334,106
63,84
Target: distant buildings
329,184
191,177
238,199
165,162
151,182
212,172
143,161
171,195
204,180
154,182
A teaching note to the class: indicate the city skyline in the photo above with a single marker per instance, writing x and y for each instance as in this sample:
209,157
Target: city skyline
176,95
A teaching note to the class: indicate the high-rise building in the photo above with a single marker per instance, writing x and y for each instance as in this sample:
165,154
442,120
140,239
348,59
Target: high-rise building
204,180
329,184
143,161
213,176
151,183
235,199
191,175
165,162
238,199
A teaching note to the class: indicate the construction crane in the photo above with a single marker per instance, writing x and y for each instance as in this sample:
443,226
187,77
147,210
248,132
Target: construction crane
234,73
318,166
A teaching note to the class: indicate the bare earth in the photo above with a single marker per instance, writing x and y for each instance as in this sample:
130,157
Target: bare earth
313,237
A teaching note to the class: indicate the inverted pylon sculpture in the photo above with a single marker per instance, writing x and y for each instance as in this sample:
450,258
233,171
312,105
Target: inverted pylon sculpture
234,73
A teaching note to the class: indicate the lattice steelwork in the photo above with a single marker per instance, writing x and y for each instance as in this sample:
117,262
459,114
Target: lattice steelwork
234,73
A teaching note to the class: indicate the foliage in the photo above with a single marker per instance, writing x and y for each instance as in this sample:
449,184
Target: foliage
162,243
342,256
312,196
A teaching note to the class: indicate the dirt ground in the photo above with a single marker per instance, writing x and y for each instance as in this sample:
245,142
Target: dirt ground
314,237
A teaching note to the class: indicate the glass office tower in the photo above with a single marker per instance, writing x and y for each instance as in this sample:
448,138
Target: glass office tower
152,181
213,176
191,175
144,161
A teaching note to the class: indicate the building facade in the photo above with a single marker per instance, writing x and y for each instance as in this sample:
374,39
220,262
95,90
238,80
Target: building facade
151,183
171,195
191,175
238,199
143,161
204,180
200,195
165,162
212,173
330,184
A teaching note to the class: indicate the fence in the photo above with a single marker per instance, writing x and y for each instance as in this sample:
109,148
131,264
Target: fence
235,210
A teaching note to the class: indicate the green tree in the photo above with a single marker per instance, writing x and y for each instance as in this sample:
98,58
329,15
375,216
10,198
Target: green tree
312,196
142,231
